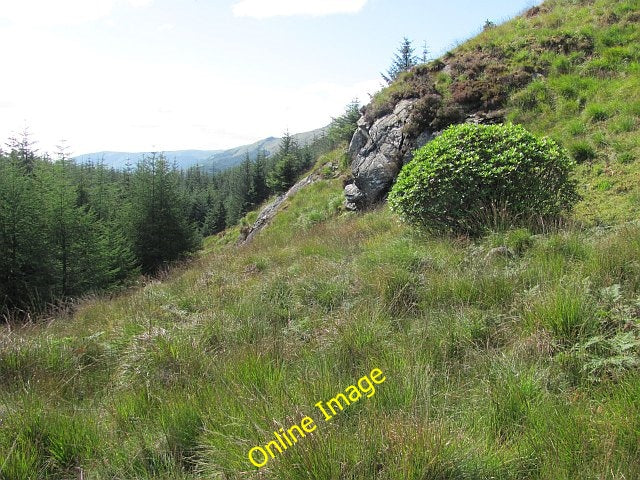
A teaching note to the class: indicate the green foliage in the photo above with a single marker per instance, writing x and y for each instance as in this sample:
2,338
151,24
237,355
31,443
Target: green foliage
518,367
216,219
563,69
491,365
513,398
341,128
283,176
68,229
159,230
241,195
533,97
624,124
567,312
476,177
403,60
604,357
596,112
289,162
55,244
26,265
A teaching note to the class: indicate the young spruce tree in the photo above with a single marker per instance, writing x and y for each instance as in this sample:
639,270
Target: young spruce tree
403,60
158,215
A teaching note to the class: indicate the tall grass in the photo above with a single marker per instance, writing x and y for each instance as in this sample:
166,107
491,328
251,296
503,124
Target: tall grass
490,361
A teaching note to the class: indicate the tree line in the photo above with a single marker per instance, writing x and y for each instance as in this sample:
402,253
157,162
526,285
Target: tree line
67,229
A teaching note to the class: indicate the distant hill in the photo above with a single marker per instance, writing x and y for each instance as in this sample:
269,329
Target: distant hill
216,159
120,160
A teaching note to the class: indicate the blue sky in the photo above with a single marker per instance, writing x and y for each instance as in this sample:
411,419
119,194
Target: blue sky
141,75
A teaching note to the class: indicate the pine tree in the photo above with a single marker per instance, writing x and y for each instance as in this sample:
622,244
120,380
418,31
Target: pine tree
260,189
284,172
239,200
103,195
158,215
74,232
341,128
425,53
21,148
215,220
118,260
26,263
403,60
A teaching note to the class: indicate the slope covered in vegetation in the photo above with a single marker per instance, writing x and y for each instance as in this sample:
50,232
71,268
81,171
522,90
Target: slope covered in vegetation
517,362
569,69
495,367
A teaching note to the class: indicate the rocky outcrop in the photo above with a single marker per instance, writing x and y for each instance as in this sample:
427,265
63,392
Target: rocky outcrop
379,151
268,212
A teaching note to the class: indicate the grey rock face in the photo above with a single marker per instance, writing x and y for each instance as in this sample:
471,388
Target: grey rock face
378,153
360,138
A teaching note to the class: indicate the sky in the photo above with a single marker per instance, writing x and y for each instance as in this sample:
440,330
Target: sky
161,75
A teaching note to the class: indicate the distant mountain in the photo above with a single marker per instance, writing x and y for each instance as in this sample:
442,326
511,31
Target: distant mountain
215,159
119,160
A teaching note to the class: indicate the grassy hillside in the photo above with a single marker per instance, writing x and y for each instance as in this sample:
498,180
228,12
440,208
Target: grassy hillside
495,367
509,366
569,69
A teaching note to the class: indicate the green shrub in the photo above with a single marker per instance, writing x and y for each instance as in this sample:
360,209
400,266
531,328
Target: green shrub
477,176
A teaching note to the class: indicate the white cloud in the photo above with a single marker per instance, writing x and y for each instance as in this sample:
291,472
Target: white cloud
60,12
275,8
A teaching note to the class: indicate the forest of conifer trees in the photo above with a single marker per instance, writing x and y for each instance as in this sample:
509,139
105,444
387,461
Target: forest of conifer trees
67,229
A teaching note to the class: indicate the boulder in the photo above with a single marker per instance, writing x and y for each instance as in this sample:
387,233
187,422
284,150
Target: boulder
354,197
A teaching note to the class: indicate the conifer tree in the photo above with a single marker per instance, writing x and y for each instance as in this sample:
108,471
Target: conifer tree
341,128
403,60
284,172
215,220
25,254
21,148
260,189
239,200
73,232
425,53
158,215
